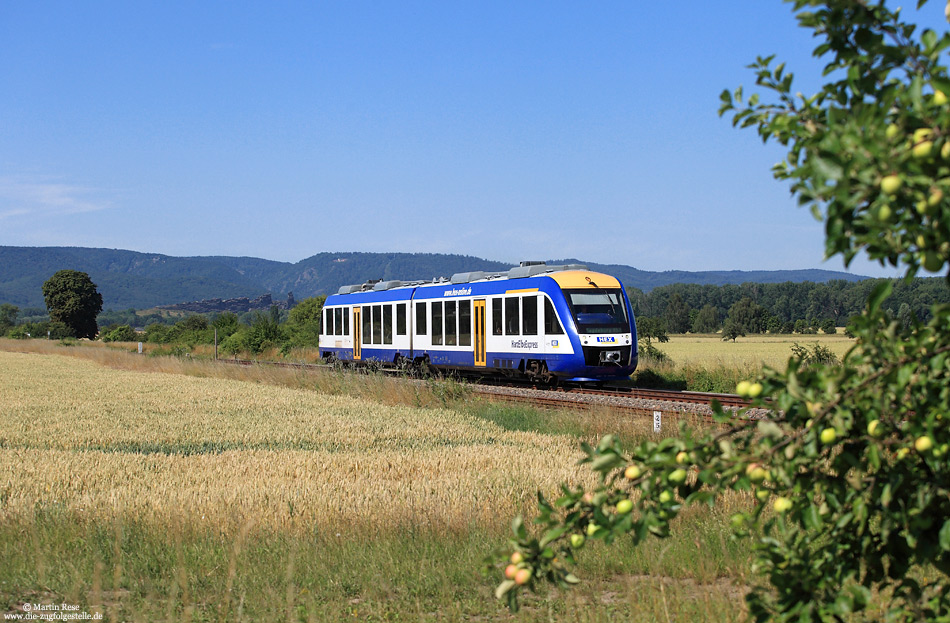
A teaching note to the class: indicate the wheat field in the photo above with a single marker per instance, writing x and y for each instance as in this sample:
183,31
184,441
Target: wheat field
172,489
746,353
169,448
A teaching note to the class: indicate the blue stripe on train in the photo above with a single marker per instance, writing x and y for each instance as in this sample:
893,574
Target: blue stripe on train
496,360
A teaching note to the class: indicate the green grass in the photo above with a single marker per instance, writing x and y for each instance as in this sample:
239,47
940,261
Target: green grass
140,572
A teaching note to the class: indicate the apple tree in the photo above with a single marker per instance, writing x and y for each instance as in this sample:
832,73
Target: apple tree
851,473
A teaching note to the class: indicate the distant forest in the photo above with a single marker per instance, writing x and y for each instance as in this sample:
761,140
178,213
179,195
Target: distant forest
780,307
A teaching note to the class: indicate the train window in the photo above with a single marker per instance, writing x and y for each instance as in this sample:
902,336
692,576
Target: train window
465,323
552,326
338,322
420,318
346,321
451,329
387,324
367,316
437,323
400,319
377,324
598,311
496,322
512,326
529,315
328,322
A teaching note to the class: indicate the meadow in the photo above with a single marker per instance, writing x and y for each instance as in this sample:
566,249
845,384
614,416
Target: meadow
162,488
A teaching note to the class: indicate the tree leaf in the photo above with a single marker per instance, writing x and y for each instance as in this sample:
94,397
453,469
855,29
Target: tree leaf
945,536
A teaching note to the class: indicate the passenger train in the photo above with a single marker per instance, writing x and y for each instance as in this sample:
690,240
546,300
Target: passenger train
544,323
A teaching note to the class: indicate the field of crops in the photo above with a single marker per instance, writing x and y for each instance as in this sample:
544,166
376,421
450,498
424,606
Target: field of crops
156,446
157,495
746,352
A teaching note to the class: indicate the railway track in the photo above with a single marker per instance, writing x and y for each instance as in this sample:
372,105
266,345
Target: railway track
636,401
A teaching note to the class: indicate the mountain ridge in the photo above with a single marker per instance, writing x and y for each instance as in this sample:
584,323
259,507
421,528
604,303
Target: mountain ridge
144,280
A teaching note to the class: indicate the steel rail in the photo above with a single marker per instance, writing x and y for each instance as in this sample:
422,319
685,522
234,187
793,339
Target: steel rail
630,399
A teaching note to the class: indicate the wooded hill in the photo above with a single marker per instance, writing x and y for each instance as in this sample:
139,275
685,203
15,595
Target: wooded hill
129,279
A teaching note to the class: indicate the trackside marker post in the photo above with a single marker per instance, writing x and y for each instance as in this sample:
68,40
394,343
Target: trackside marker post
657,417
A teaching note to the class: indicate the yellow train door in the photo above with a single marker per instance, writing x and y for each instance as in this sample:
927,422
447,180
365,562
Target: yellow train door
357,327
480,350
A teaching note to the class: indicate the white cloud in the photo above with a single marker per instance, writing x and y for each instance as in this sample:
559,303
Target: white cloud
27,198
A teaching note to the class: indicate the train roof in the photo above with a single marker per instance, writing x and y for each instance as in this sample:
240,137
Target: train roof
566,275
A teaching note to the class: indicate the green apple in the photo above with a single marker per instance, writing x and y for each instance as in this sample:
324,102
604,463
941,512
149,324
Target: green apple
755,472
666,496
890,184
921,135
762,494
522,576
517,558
682,457
828,436
902,453
782,504
577,541
632,472
624,507
936,195
892,131
923,444
678,476
737,521
931,261
755,390
592,528
945,151
939,98
510,572
875,428
743,388
922,150
884,213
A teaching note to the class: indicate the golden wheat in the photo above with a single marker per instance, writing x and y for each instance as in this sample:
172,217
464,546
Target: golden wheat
746,352
105,444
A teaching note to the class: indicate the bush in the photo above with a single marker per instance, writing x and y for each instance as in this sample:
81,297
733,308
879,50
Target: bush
122,333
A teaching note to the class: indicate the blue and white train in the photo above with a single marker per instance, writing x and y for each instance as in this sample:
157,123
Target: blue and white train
544,323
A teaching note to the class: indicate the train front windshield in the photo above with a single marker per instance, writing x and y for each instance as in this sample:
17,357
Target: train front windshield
598,311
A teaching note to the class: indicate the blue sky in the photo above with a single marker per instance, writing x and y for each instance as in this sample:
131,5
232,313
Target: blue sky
501,130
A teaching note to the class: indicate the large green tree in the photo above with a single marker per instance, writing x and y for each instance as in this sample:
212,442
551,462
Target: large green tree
706,320
72,298
850,472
